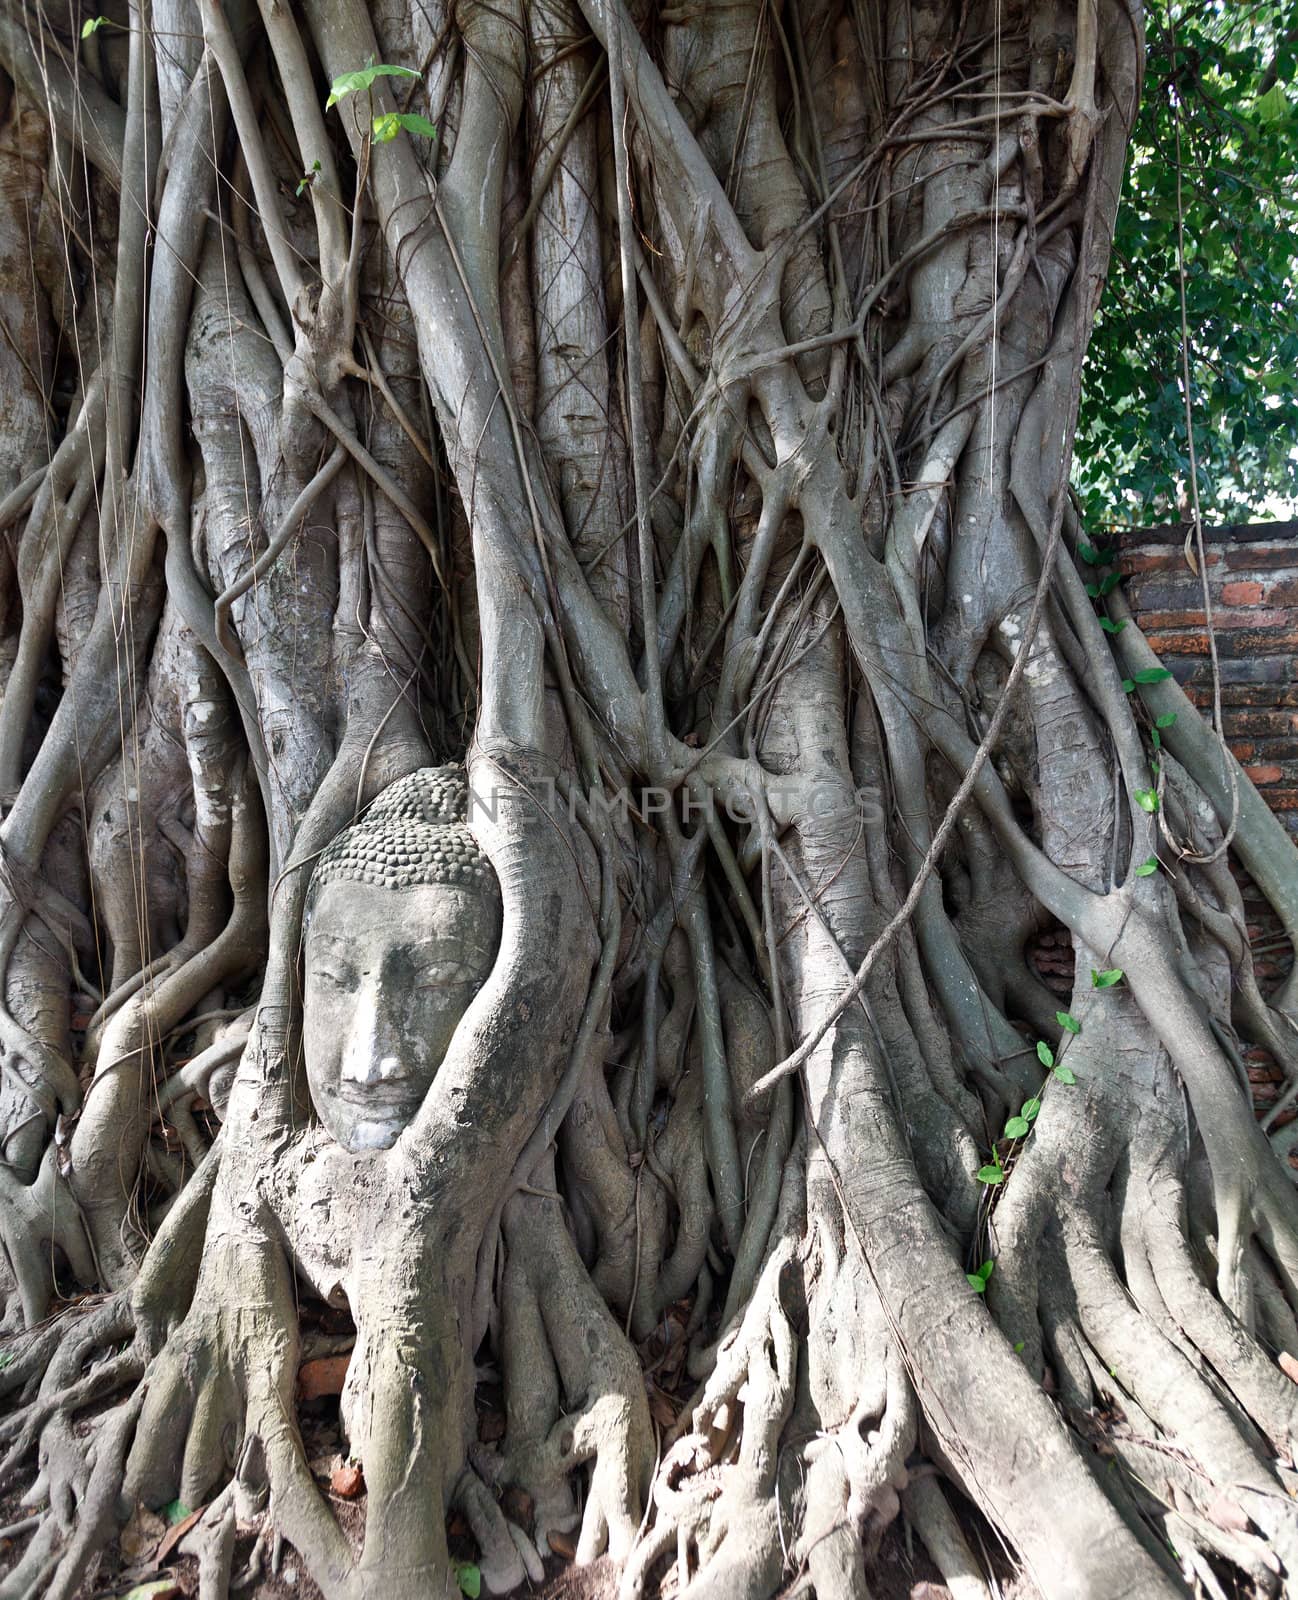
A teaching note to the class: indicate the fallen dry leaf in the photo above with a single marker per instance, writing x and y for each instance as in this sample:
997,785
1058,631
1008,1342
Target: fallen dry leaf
347,1481
1288,1365
142,1535
561,1544
321,1377
174,1534
517,1505
1226,1514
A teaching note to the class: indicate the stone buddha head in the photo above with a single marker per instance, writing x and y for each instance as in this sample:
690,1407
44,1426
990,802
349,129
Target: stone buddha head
402,928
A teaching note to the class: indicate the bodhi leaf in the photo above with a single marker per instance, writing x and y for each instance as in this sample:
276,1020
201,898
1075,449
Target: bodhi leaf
363,78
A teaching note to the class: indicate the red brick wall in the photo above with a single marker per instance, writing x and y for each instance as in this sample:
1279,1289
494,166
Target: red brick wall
1253,580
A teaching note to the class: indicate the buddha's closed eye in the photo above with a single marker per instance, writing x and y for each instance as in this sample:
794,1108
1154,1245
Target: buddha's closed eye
449,975
334,976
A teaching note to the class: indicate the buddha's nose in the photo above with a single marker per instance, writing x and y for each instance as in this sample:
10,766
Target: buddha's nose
368,1068
369,1058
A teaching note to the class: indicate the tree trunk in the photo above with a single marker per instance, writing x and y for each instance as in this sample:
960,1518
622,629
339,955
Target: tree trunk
632,446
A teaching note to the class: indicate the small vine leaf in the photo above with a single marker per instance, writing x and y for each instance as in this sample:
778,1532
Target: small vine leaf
1093,589
1031,1109
354,82
1110,626
1017,1128
1068,1022
176,1512
986,1270
1106,979
1110,582
1018,1348
469,1578
1147,800
1089,554
1152,675
975,1282
1147,869
1045,1055
1166,720
1065,1074
92,25
1128,684
991,1174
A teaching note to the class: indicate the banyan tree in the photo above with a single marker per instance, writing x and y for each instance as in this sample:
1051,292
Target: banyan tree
551,679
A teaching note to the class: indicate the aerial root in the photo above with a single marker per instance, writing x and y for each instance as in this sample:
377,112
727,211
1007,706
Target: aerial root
929,1512
714,1492
506,1556
574,1389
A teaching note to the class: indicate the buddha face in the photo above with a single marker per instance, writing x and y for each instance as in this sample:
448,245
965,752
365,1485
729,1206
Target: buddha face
389,974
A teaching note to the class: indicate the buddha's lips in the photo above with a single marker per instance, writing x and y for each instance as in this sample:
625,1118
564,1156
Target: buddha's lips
391,1092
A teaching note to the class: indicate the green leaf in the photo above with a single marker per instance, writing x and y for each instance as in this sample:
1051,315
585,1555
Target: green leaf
1093,589
1110,626
147,1591
1146,799
92,25
1166,720
1068,1022
353,82
469,1579
1106,979
389,124
990,1174
1030,1109
412,122
1152,675
1156,738
986,1270
1017,1128
1018,1348
1045,1055
1147,869
1110,582
1271,106
176,1512
1089,554
1065,1074
1128,684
